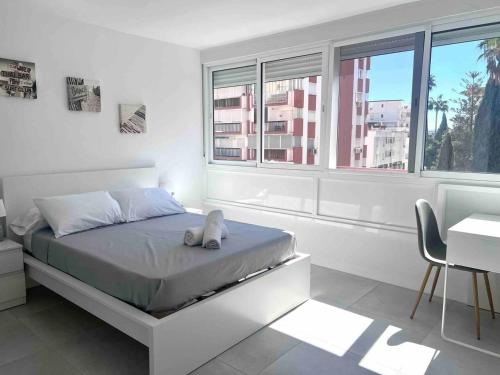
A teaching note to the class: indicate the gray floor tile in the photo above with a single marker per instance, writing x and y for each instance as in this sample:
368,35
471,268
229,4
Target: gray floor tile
105,350
338,288
41,363
460,325
216,367
394,304
372,335
258,351
37,299
463,360
16,340
59,323
306,359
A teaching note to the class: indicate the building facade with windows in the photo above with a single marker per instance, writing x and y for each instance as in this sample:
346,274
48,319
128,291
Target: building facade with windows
353,109
234,123
290,125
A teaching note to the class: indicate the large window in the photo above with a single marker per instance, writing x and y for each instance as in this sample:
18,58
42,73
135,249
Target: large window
270,112
233,127
292,110
463,121
376,81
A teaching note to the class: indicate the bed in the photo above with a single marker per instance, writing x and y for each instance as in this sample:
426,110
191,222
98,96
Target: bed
186,304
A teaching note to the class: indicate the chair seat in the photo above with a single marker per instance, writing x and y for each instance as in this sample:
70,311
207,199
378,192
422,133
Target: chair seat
438,258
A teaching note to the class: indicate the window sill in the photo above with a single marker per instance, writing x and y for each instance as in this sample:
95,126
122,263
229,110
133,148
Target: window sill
464,176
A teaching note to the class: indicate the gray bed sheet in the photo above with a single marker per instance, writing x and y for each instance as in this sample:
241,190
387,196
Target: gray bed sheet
146,264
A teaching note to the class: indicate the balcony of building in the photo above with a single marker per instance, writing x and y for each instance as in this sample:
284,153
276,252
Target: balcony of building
228,128
276,127
226,153
294,98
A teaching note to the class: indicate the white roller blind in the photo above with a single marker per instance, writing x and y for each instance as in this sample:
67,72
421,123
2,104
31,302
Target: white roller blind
295,67
466,35
378,47
234,77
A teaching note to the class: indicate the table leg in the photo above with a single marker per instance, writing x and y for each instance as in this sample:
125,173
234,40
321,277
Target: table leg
443,321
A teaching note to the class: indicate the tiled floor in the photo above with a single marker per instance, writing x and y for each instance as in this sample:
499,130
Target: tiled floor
350,326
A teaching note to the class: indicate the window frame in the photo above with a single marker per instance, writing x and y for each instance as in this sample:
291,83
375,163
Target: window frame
438,28
259,60
328,134
416,100
208,105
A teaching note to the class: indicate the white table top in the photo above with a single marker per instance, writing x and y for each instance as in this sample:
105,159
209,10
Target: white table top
475,242
479,224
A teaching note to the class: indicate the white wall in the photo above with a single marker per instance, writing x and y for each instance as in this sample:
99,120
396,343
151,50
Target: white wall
384,20
361,223
42,135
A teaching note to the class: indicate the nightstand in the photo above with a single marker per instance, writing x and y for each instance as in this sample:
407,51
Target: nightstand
12,282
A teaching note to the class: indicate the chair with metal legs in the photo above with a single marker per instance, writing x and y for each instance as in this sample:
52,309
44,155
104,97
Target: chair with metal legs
433,250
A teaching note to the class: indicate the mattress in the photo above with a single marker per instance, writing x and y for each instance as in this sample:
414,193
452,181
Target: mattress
146,264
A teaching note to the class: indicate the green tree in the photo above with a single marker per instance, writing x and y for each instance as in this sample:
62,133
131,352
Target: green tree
446,157
438,105
487,122
465,112
443,128
433,144
432,82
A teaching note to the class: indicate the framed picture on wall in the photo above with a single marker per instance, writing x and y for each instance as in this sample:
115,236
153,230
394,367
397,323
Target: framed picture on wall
83,94
17,79
132,118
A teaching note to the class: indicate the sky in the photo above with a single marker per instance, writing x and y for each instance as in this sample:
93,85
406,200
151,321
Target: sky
391,75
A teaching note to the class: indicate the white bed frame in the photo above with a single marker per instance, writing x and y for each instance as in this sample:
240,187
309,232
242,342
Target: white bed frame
181,342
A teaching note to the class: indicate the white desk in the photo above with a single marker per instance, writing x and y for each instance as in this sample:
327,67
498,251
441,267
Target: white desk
474,242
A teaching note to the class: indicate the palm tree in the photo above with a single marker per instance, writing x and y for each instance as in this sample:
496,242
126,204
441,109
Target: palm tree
438,105
491,53
432,82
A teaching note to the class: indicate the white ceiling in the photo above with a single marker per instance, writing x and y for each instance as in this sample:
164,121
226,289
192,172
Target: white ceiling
206,23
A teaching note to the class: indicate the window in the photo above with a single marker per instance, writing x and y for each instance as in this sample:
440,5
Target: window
292,110
463,121
233,127
384,72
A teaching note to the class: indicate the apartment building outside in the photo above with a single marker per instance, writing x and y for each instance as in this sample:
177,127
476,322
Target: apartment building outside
371,134
290,121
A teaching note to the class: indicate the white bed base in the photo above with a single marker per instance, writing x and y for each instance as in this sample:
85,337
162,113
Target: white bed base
181,342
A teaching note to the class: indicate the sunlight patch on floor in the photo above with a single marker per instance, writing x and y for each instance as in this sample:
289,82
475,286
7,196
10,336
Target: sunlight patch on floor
388,358
326,327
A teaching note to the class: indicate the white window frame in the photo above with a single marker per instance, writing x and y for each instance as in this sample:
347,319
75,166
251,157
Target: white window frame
208,70
335,49
329,115
450,25
208,107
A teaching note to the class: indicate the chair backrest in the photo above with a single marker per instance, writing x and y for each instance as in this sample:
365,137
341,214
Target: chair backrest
429,239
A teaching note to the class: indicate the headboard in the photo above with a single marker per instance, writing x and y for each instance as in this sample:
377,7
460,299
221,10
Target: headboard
19,191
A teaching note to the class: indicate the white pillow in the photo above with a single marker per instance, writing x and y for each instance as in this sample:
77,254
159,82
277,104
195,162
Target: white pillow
68,214
143,203
30,221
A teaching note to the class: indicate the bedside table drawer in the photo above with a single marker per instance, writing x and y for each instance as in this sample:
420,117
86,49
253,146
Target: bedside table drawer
12,286
11,261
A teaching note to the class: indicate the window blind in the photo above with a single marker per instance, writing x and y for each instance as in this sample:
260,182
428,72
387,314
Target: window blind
378,47
295,67
466,35
234,77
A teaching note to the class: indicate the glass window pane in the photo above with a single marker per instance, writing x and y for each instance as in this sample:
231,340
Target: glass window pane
292,112
375,111
234,132
463,119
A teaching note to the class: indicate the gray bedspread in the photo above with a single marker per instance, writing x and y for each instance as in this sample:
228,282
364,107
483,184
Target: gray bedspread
145,263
